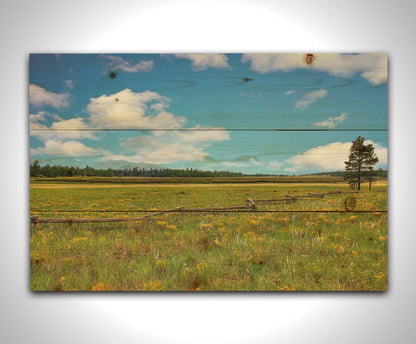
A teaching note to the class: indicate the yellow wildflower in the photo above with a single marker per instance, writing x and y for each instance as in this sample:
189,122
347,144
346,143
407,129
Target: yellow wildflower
100,287
353,219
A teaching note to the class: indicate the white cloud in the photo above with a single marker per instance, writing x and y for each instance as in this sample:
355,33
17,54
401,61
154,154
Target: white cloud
69,83
168,147
159,107
204,61
162,155
310,98
118,63
246,163
265,63
38,96
274,165
35,119
333,121
266,166
289,92
72,123
74,128
330,157
202,135
128,109
66,149
150,150
371,66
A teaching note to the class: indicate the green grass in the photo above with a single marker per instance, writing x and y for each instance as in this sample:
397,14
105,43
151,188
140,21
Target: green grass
191,180
209,252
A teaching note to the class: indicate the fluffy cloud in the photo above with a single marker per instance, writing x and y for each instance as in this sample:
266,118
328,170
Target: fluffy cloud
168,147
204,61
70,124
128,109
66,149
36,119
118,63
251,165
371,66
202,134
38,96
74,128
160,153
332,122
310,98
330,157
240,164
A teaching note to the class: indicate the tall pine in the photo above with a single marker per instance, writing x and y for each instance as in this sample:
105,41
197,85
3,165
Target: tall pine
360,163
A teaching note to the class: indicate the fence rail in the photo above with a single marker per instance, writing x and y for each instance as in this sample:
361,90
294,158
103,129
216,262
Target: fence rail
251,207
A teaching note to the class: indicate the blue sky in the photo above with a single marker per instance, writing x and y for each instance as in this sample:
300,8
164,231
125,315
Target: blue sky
191,110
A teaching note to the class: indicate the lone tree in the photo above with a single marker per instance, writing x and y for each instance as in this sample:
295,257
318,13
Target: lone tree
360,163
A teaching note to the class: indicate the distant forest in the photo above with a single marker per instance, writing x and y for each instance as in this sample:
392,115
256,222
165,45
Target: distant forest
36,170
377,173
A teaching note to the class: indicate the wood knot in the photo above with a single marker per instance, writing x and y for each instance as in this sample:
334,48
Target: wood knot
309,58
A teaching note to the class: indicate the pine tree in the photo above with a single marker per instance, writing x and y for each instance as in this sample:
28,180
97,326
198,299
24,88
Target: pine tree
369,163
360,163
35,169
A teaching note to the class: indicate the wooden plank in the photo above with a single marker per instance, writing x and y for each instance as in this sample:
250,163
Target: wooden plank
272,153
35,219
136,198
241,96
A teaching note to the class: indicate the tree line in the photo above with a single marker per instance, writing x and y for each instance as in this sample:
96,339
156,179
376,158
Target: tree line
36,170
376,172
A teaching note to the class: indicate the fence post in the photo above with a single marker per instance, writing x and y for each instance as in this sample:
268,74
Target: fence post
251,203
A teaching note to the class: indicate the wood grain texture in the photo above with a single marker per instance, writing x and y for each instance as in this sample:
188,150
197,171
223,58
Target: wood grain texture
248,92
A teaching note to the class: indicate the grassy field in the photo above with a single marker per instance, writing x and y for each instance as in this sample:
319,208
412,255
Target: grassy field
250,251
190,180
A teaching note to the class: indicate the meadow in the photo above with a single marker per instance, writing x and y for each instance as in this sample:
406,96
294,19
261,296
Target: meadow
299,246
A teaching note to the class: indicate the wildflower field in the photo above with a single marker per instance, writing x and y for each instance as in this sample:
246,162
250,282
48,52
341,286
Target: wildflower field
299,246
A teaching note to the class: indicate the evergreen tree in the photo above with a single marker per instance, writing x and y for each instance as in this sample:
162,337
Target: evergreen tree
369,164
360,163
35,169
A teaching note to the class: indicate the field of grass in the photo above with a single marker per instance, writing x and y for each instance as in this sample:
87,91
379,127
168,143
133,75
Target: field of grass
238,251
190,180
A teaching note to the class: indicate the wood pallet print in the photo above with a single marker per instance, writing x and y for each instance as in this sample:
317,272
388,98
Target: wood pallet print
208,172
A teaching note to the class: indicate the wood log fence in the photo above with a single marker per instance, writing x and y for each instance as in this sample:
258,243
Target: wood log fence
250,207
272,200
35,219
